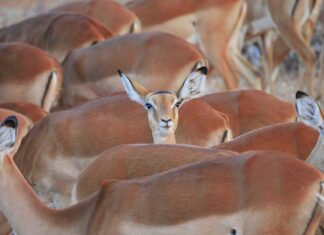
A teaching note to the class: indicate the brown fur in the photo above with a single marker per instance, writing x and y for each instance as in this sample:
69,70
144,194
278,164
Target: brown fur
112,15
244,194
23,78
51,36
158,61
216,22
33,112
250,109
295,139
132,161
79,134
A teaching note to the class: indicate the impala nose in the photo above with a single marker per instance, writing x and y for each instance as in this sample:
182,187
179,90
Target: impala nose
166,122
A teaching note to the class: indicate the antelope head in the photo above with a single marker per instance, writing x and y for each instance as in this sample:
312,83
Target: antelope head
162,106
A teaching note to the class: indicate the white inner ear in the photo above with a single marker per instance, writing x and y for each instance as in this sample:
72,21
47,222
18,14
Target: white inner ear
7,140
129,88
192,86
309,112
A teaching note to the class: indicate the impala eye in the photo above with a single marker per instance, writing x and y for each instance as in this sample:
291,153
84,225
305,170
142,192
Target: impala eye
178,103
148,106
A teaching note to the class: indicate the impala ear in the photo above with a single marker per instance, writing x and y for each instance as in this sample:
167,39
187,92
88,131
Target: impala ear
8,135
308,110
192,86
136,91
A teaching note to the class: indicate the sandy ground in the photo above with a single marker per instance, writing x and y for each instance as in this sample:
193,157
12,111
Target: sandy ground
12,11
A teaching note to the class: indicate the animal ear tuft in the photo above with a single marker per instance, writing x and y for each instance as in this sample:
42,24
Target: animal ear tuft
192,86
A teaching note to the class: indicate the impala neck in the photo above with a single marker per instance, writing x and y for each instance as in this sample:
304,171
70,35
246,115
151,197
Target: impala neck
25,212
167,139
316,158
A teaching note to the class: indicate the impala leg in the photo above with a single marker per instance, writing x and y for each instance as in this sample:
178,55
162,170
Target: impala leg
290,26
217,29
242,65
219,56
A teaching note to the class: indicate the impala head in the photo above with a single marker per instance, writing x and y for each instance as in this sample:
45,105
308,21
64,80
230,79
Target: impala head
8,135
309,111
163,106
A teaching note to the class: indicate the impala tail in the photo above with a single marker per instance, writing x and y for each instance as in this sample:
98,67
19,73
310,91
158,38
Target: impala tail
51,91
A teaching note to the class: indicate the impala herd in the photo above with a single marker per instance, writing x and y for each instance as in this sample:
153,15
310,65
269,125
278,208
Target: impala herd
110,123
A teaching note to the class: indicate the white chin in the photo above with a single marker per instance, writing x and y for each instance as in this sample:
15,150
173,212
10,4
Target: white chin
165,130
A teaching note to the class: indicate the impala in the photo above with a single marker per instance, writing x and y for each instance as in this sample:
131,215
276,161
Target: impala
162,106
63,143
288,26
159,61
251,109
254,193
29,74
131,161
111,14
295,21
214,24
56,33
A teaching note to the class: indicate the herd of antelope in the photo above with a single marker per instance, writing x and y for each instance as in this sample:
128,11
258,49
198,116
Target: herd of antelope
110,124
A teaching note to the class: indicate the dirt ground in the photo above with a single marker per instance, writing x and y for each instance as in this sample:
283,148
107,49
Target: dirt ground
12,11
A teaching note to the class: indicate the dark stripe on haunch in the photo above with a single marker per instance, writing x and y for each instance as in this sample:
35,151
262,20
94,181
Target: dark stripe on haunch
294,8
224,136
47,88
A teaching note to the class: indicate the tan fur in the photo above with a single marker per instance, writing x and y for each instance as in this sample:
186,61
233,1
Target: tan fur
70,140
26,79
56,33
31,111
251,109
215,23
158,61
132,161
295,139
242,194
275,41
111,14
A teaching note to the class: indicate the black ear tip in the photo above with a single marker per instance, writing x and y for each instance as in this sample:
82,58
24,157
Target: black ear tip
300,94
203,70
11,121
119,72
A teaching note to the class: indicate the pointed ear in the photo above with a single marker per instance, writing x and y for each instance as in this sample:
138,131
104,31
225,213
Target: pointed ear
8,135
308,110
136,91
192,86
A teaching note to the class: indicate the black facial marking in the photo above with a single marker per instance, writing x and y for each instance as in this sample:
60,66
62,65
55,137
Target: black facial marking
179,103
148,106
